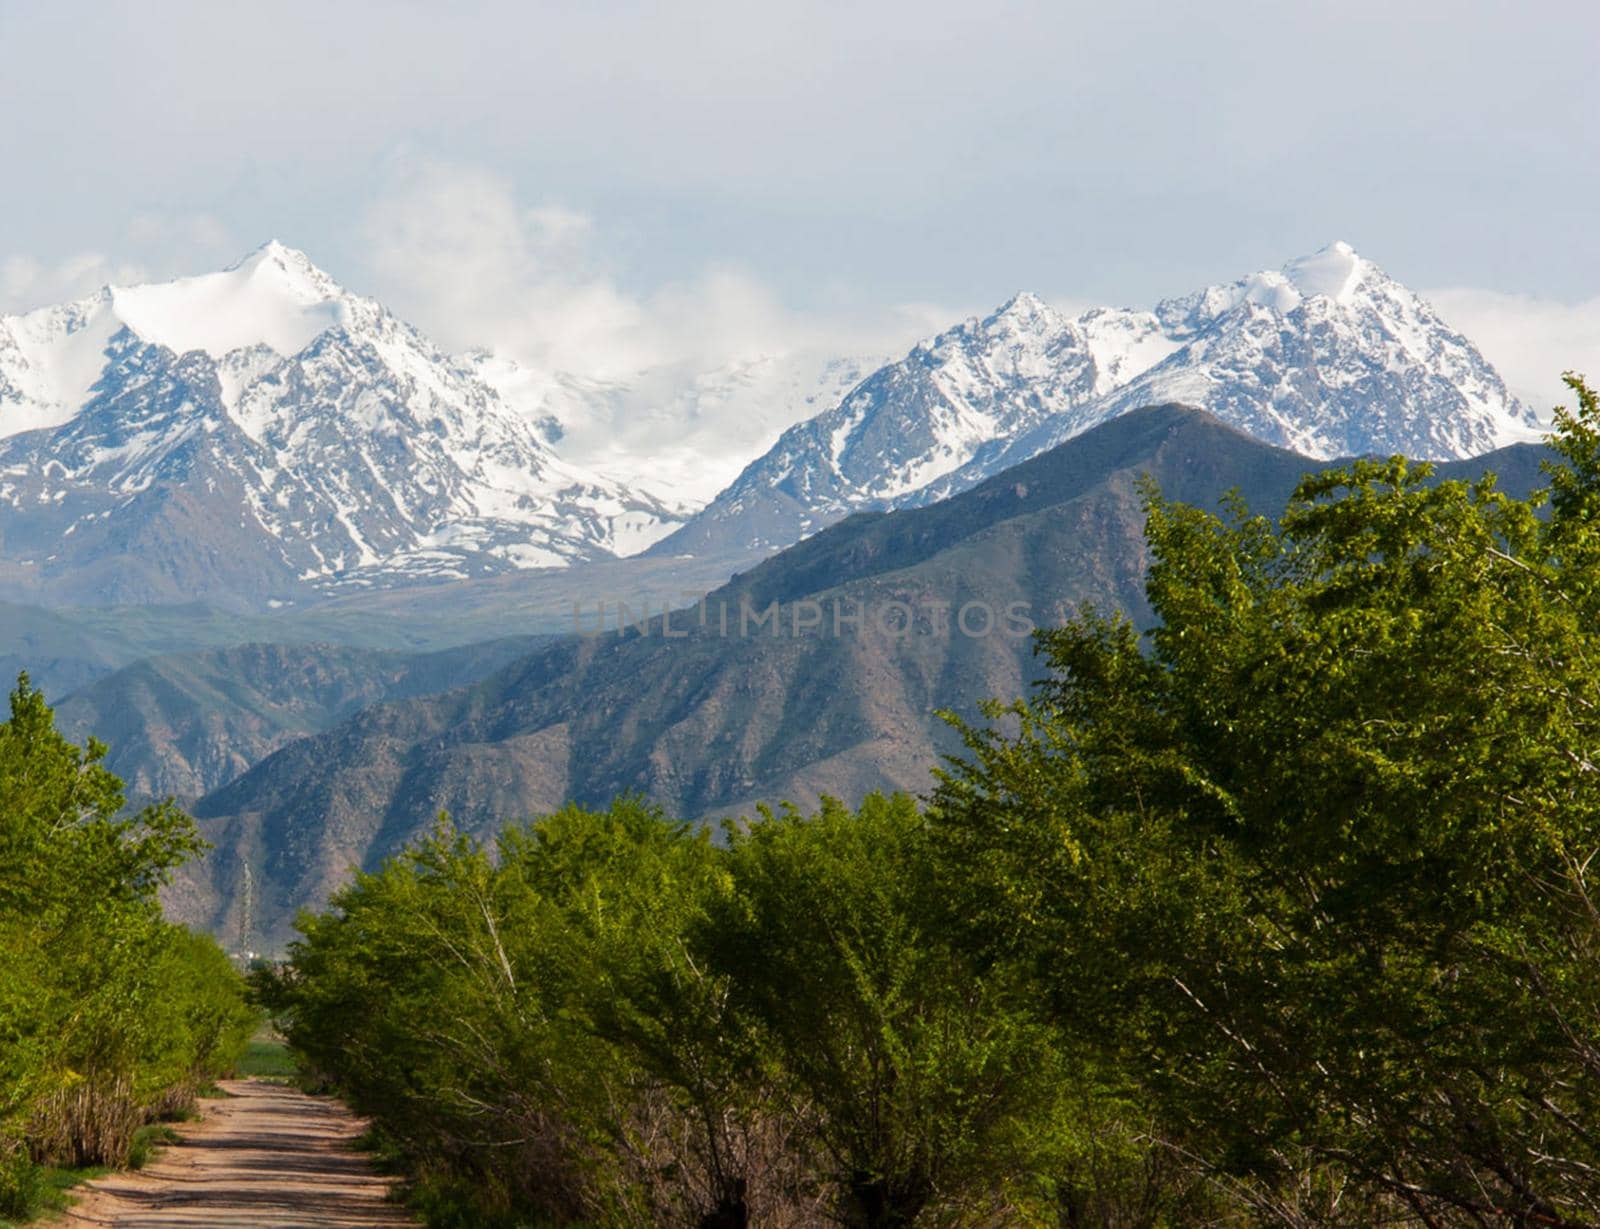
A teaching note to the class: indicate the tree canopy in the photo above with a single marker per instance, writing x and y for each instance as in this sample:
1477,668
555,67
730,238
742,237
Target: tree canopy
1314,855
109,1015
1278,913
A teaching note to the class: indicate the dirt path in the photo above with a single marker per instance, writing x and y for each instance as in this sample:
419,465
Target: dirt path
267,1157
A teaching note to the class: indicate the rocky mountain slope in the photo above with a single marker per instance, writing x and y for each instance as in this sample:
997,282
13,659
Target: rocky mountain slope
261,435
183,724
719,715
1329,357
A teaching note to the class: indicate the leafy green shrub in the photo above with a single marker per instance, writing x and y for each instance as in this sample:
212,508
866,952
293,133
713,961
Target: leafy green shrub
614,1021
146,1141
21,1184
110,1016
1314,866
928,1086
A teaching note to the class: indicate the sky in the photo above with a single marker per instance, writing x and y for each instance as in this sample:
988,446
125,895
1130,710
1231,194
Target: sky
605,187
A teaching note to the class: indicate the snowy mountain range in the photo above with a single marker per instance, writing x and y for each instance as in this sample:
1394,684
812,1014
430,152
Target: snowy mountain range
262,436
1328,356
257,431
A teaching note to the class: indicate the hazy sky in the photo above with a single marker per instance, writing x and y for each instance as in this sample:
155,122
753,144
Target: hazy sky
601,183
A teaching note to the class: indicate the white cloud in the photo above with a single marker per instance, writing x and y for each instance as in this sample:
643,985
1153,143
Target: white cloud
26,283
453,249
1531,340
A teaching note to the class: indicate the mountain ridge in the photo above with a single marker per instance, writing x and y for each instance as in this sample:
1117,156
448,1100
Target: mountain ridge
366,456
708,724
184,724
261,437
1329,356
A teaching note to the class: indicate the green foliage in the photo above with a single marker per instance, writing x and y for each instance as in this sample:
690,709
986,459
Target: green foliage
923,1083
1314,865
497,1017
615,1021
109,1015
1277,915
147,1140
46,1190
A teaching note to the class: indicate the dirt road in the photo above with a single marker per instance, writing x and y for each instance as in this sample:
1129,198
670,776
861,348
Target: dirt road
266,1157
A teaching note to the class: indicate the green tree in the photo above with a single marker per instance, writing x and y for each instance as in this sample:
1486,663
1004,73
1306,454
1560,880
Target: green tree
64,838
109,1015
1315,860
926,1085
632,890
531,1029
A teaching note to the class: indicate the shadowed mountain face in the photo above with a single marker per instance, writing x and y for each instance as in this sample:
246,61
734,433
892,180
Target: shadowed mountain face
864,632
185,723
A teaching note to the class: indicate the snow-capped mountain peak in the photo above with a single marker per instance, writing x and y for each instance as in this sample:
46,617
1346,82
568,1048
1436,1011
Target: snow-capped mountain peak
274,297
327,442
1026,311
1336,273
262,430
1327,355
1333,273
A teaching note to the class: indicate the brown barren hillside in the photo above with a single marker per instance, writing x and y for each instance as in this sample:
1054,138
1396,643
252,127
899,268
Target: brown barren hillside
720,716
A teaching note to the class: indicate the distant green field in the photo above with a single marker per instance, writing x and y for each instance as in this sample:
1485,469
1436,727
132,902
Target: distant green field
268,1058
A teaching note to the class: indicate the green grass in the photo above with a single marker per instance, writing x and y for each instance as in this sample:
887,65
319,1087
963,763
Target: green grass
145,1142
51,1184
50,1192
45,1190
268,1058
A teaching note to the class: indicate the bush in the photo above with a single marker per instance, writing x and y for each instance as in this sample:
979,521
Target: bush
1313,864
110,1016
21,1184
615,1022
